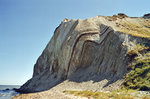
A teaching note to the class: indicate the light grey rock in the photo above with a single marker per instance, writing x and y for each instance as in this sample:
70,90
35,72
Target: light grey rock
83,50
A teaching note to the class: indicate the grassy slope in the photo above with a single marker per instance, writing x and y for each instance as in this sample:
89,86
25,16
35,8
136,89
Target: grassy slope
123,94
138,27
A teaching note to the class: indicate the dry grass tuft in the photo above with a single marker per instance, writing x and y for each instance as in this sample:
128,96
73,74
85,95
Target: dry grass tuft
138,48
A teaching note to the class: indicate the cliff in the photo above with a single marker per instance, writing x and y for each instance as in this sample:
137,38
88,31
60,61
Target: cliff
93,49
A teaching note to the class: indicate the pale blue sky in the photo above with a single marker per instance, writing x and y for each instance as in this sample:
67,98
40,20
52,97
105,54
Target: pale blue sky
26,26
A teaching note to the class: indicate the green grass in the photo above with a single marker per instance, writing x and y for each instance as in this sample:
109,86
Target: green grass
119,94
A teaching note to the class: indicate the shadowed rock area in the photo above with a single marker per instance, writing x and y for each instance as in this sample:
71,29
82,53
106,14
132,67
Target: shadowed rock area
91,50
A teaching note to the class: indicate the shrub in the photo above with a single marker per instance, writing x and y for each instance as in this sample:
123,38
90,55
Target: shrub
139,77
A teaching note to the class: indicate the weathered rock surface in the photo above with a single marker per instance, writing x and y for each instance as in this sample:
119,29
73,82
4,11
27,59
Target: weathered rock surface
93,49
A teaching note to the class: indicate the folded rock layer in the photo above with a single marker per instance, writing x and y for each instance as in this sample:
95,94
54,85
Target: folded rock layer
90,49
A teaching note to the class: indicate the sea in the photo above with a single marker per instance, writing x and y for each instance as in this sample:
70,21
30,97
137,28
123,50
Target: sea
7,92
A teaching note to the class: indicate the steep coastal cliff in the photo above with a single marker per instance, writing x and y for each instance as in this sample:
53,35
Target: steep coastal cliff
91,50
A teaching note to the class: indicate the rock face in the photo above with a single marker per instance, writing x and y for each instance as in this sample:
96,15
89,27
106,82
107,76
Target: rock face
146,16
82,50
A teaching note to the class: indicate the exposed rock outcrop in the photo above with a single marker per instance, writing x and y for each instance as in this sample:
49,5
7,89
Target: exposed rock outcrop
91,49
146,16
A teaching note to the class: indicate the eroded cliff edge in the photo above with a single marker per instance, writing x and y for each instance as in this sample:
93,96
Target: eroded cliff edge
93,49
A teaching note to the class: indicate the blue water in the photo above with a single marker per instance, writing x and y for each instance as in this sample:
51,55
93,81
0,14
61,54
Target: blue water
7,94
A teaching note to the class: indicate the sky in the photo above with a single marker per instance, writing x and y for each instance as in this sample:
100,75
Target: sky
26,26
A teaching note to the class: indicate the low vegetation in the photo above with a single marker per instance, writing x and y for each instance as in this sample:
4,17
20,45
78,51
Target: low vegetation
115,17
138,28
139,77
135,29
119,94
136,50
